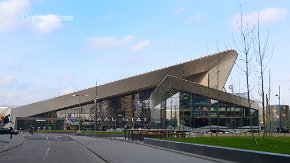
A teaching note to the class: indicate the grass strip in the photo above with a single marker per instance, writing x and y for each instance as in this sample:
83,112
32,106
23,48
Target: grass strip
269,144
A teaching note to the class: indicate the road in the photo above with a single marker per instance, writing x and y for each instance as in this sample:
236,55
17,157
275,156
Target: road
61,148
128,152
39,148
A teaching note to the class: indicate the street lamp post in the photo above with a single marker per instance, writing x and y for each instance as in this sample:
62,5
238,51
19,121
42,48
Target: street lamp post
80,109
96,111
96,107
279,97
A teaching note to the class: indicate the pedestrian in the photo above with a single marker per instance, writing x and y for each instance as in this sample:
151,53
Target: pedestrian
31,130
11,132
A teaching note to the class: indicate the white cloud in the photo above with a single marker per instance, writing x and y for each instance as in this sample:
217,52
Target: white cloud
179,10
13,12
109,42
267,16
10,12
140,45
106,17
195,18
7,81
68,90
39,1
46,23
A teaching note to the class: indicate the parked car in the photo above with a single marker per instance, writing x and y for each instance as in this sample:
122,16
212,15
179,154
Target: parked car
7,131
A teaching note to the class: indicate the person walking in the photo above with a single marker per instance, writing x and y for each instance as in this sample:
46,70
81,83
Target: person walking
31,130
11,132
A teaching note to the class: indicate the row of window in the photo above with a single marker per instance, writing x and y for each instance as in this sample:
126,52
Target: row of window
182,108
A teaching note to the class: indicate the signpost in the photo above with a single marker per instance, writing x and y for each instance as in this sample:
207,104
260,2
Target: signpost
74,122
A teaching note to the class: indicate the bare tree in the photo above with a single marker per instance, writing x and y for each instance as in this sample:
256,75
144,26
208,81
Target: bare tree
261,57
268,104
247,41
209,113
218,100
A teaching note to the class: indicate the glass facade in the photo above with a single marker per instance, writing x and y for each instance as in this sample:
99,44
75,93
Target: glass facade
182,110
129,111
81,116
277,118
40,123
193,111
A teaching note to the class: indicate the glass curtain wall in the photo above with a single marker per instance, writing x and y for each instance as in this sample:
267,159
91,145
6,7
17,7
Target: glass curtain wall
83,115
40,124
190,111
172,112
130,111
181,111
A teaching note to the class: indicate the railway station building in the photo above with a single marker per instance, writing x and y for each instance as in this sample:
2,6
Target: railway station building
189,94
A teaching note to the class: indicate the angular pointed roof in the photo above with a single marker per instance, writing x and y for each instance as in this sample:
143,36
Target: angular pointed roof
213,68
170,85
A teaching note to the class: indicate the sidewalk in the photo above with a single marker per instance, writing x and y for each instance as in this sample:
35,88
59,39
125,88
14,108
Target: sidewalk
120,150
6,143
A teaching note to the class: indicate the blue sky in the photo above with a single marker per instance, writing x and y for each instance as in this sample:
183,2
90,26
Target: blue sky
111,39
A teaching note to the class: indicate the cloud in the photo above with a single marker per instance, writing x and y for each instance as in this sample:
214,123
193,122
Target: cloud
39,1
7,81
106,17
43,24
140,45
101,43
14,16
98,43
10,12
267,16
179,10
195,18
68,90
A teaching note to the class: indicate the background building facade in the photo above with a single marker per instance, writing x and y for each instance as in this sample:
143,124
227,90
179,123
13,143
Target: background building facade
188,94
278,118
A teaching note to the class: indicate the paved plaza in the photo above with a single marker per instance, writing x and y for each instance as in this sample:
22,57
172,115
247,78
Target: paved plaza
67,148
6,143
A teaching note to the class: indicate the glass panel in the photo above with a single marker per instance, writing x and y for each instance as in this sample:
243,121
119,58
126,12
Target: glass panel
155,117
199,100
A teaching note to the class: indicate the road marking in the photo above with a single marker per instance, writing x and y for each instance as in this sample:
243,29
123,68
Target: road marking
48,146
85,147
47,150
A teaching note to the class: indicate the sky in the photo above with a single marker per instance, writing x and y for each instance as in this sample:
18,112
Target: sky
50,48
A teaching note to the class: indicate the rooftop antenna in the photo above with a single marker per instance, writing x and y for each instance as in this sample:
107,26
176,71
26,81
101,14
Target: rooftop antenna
217,44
